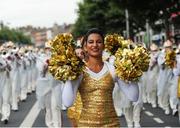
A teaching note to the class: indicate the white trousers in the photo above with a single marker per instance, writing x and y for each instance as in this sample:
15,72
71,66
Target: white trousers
5,101
29,82
56,106
132,114
179,109
34,78
168,98
117,96
14,97
48,115
151,97
163,99
24,86
53,109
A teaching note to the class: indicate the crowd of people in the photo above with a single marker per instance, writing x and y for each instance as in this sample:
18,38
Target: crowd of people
21,70
158,87
18,74
104,96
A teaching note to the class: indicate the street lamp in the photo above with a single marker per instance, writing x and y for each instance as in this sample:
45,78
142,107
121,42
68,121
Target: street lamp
127,23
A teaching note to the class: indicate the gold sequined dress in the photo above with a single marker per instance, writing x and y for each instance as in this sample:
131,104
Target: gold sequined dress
74,112
96,95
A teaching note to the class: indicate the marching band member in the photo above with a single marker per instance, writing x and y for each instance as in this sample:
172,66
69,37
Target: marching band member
153,72
5,87
164,79
48,91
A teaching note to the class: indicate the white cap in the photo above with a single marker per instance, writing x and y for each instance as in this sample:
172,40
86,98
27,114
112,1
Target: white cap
167,43
22,50
48,44
1,48
9,44
153,47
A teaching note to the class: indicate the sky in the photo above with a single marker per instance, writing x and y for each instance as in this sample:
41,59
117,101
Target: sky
43,13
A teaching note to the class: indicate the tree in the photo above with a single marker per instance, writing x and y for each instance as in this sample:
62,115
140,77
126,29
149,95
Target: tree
151,10
90,14
109,15
7,34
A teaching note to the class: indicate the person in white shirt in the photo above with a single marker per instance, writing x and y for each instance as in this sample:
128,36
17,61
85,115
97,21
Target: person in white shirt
164,79
5,87
153,73
48,91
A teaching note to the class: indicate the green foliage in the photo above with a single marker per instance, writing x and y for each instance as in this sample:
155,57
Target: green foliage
91,13
109,15
7,34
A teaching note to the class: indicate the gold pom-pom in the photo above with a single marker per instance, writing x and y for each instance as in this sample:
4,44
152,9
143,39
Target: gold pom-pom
143,57
112,43
170,58
131,63
64,64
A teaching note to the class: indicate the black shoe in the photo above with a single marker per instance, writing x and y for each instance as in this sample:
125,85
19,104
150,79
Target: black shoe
23,100
175,113
15,110
28,93
33,91
5,121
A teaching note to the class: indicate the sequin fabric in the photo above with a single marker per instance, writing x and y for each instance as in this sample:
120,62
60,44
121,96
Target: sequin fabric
178,90
98,109
74,112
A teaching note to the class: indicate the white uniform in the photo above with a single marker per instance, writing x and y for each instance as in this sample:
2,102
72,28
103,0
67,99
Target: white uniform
48,93
144,86
164,83
5,90
56,103
24,78
29,70
34,71
132,110
152,74
176,72
15,79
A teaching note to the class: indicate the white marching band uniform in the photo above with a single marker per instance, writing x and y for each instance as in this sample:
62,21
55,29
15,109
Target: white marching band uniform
24,77
15,79
29,72
48,91
166,84
34,71
144,82
20,74
152,74
5,89
176,72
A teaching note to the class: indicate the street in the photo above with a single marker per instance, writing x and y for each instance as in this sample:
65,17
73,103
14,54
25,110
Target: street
29,116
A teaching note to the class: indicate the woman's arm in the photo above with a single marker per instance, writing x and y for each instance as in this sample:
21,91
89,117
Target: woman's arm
69,91
131,90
